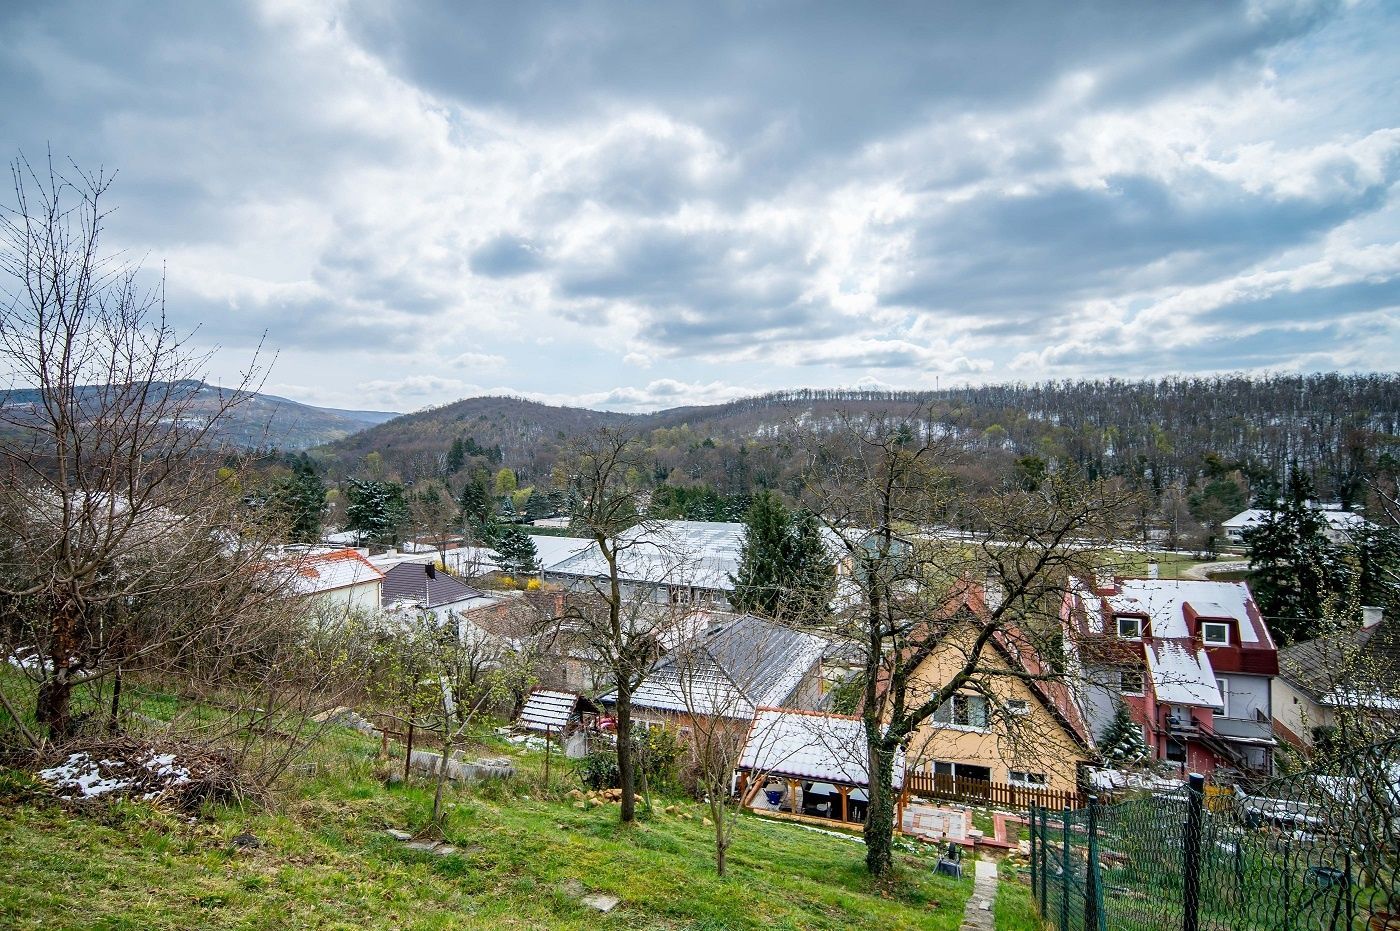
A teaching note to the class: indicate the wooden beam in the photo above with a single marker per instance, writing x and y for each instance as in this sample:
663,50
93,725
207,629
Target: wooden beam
845,802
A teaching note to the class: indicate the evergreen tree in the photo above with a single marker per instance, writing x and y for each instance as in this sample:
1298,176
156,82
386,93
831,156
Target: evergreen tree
763,559
300,499
456,456
1122,744
375,510
813,572
475,503
515,552
785,569
1294,567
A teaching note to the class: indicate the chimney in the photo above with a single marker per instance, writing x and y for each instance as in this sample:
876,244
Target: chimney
1371,615
1153,570
993,593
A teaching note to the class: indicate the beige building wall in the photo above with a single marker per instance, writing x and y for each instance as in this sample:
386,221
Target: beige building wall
1296,711
1035,743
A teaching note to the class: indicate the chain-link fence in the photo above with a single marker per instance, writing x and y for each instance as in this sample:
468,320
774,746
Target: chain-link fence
1317,850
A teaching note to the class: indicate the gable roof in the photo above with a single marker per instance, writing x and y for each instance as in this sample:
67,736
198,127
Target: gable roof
424,584
732,669
702,554
315,573
811,745
1367,657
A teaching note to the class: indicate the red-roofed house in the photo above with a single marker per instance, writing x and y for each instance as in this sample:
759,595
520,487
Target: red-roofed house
1011,729
1192,660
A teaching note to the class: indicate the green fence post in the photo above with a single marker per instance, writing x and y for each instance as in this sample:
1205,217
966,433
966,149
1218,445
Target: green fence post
1035,875
1191,853
1064,870
1093,886
1044,860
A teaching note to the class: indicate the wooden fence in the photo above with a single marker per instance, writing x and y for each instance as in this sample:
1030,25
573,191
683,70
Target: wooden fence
1003,794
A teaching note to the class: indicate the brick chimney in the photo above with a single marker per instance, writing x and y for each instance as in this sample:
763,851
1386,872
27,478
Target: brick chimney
1105,583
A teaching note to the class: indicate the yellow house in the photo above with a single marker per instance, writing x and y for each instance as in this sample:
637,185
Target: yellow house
1000,727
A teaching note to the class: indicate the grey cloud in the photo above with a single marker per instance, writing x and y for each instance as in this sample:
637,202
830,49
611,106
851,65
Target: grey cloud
506,256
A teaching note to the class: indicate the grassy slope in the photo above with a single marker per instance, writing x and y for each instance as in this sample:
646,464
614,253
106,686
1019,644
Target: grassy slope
327,863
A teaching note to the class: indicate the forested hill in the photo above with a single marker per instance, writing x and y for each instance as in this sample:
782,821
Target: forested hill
261,421
1171,432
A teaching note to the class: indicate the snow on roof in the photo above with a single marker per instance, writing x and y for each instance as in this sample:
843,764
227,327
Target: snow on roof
548,710
1163,601
1336,519
324,572
552,550
700,554
1182,675
809,745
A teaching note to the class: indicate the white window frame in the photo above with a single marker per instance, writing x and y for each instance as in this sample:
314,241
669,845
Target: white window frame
1018,706
1118,620
1215,625
1224,686
1142,682
1027,779
951,721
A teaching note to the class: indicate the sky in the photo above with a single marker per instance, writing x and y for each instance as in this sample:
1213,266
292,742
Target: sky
640,205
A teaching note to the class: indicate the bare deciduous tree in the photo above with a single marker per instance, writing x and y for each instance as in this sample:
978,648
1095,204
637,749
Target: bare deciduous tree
123,541
882,488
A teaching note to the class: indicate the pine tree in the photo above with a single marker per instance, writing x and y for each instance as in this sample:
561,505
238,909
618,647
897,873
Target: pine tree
456,456
1122,744
813,574
300,499
785,569
375,510
475,502
1294,568
763,559
515,552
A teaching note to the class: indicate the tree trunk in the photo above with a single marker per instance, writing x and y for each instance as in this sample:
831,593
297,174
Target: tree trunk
879,819
442,774
625,770
717,815
53,708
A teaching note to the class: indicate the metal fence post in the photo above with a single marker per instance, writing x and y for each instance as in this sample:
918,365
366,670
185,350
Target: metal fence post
1191,852
1093,888
1035,875
1044,860
1064,869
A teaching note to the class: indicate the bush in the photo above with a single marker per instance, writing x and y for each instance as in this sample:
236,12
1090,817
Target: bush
598,770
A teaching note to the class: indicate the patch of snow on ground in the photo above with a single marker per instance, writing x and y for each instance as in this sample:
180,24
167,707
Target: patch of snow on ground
81,776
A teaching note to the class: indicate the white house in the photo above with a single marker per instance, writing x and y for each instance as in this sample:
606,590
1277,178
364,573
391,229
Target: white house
338,578
1341,525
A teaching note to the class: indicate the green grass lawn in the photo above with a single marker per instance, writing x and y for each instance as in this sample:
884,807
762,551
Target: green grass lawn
328,863
1014,909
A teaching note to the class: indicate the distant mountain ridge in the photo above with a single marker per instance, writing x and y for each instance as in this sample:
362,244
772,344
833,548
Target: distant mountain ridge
264,421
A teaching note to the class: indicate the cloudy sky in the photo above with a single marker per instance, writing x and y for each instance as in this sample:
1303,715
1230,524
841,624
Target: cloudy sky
636,205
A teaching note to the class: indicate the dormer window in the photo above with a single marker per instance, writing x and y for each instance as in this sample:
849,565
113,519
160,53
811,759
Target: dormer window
1130,682
1215,633
1129,628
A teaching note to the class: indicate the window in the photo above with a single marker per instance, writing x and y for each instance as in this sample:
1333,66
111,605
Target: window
1018,706
1019,778
1215,634
1224,686
1130,681
1129,628
963,711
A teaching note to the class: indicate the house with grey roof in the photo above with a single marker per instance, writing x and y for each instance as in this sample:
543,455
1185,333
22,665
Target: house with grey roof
1356,669
730,670
667,562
